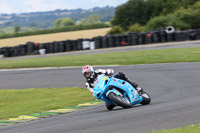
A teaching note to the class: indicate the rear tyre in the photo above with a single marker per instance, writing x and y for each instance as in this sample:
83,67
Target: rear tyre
146,98
120,101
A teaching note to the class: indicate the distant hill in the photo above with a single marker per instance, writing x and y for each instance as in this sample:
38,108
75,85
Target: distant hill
45,20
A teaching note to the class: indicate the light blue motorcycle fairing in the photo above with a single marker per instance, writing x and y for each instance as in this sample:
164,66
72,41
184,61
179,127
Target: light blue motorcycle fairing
102,86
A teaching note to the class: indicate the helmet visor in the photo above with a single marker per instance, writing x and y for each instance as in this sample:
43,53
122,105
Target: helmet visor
87,75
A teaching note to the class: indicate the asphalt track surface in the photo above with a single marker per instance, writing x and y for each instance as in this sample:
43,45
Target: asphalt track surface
60,77
174,89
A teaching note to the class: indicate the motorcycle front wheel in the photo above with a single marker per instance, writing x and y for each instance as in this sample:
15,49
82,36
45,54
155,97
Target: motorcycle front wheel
146,98
119,101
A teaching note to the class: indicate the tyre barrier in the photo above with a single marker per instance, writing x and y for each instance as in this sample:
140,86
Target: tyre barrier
181,36
124,40
105,42
169,29
156,37
98,42
132,38
141,38
149,38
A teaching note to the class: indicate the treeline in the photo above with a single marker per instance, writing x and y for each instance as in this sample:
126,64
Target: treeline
45,20
56,30
145,15
62,25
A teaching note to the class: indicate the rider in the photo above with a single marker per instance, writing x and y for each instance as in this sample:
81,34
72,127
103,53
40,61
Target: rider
90,74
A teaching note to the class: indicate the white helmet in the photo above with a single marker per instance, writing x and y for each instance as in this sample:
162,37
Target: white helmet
88,72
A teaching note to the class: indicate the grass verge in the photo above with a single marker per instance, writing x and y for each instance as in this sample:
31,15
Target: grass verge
186,129
26,101
115,58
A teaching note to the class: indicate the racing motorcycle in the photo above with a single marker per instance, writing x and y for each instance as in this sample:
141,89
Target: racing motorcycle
118,92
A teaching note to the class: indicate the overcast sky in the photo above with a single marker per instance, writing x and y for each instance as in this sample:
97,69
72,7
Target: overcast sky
24,6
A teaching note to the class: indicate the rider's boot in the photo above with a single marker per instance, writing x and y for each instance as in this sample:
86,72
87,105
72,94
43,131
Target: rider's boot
135,85
109,106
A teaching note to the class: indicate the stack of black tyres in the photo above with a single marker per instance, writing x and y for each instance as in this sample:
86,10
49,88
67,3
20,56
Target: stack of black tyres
111,41
149,38
16,51
79,44
68,45
133,38
105,42
1,53
22,50
51,47
163,35
124,39
156,36
61,47
141,38
117,40
194,34
56,47
170,37
170,33
6,51
98,42
181,36
30,48
197,36
74,45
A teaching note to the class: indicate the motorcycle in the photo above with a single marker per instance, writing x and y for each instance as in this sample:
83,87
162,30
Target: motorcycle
118,92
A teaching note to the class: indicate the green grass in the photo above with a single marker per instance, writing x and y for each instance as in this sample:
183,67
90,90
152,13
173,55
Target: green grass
186,129
26,101
115,58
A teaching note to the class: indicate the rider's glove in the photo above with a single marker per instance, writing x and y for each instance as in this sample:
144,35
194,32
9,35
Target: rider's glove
89,88
110,72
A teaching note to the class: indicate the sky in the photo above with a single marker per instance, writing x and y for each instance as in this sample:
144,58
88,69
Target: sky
26,6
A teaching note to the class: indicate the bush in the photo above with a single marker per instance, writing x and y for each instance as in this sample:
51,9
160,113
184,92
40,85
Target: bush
116,30
190,16
165,21
184,18
136,28
62,22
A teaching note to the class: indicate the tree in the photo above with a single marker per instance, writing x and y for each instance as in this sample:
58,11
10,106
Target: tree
57,23
190,15
93,19
136,11
165,21
63,22
141,11
184,18
83,22
17,29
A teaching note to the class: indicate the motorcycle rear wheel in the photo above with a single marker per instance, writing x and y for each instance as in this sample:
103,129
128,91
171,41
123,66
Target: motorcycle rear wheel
120,101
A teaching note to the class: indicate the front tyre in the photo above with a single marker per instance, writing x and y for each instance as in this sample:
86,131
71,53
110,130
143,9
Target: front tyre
146,98
118,100
109,106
